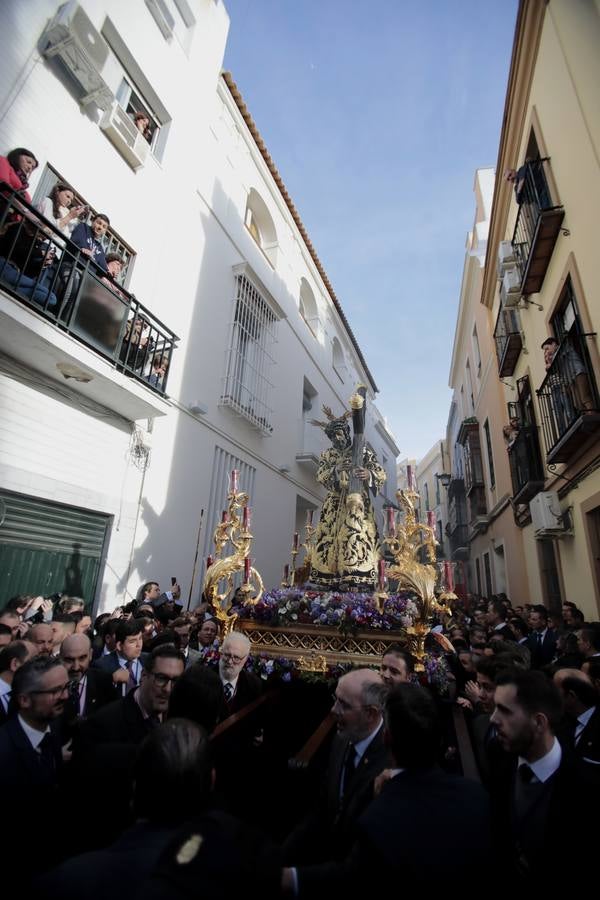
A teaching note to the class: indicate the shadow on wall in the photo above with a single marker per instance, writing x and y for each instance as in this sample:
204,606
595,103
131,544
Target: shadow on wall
73,584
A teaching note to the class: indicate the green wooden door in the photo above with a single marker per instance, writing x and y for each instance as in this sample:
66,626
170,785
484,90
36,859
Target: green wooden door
48,547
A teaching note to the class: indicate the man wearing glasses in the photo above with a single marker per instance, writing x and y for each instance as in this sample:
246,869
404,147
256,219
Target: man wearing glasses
30,761
239,687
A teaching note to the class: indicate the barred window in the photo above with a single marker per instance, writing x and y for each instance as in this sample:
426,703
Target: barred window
247,385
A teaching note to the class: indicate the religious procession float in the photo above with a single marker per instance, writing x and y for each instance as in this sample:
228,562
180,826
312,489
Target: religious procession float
355,593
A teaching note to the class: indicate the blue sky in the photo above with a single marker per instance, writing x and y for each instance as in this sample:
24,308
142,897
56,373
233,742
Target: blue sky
377,115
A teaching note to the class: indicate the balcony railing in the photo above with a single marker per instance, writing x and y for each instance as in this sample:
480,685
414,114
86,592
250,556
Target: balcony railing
526,469
459,542
569,403
507,335
537,226
42,269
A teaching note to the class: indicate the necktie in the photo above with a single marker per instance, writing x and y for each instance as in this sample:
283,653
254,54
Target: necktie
526,773
47,760
74,695
349,766
228,691
539,638
6,701
131,682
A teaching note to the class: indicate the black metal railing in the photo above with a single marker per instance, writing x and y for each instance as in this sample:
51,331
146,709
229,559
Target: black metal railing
568,392
507,335
42,268
535,204
525,460
459,538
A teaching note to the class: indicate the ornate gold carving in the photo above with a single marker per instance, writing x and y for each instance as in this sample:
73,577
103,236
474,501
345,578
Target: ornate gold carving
232,530
312,663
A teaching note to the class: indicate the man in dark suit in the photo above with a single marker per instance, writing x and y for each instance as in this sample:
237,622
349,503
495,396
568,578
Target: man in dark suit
583,717
541,640
89,688
390,847
12,657
547,791
105,744
496,619
125,664
358,754
239,686
30,763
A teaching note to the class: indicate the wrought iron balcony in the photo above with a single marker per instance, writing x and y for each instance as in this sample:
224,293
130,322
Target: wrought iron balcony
526,469
456,488
42,269
569,402
537,226
459,541
507,335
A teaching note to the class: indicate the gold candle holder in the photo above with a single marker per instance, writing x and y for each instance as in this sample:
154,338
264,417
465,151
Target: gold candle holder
408,542
233,529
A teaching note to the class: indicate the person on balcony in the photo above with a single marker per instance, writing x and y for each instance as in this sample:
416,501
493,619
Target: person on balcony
60,209
142,123
516,177
15,169
88,238
569,382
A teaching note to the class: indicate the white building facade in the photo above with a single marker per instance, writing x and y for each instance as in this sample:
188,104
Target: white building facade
107,481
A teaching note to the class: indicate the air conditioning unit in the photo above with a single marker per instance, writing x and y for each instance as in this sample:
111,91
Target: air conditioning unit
506,257
546,515
162,17
510,287
121,130
81,50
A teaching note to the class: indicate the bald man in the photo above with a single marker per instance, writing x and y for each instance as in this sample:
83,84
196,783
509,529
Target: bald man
89,689
357,756
582,732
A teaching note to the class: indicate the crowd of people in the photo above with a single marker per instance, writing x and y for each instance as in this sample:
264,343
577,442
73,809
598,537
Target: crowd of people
47,265
114,754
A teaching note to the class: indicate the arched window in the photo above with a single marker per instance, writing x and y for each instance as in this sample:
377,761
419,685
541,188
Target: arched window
259,222
339,363
308,307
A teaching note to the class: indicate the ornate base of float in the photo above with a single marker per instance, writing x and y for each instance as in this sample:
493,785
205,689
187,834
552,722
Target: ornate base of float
315,648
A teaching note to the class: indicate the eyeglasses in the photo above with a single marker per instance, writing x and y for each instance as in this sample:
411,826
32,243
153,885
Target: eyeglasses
164,680
55,692
236,659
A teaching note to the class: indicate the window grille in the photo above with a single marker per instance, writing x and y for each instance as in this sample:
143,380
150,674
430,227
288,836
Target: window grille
247,386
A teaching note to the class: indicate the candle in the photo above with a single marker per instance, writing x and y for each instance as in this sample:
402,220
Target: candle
295,540
309,516
209,562
233,485
224,516
247,519
286,572
409,477
247,569
431,520
391,519
381,570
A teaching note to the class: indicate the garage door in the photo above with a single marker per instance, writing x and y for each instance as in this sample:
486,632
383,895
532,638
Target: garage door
48,547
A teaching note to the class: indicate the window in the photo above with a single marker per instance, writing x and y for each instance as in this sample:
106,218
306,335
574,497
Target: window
549,573
133,94
426,497
112,242
260,224
488,574
478,575
174,19
470,387
488,443
308,307
476,353
438,498
338,361
247,385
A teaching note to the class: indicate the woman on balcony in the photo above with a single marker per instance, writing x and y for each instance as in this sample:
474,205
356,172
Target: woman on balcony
58,208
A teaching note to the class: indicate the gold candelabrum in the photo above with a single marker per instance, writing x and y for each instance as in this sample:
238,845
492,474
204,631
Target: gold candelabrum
289,574
409,542
234,529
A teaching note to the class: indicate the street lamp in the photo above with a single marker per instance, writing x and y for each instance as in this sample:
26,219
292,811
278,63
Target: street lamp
445,478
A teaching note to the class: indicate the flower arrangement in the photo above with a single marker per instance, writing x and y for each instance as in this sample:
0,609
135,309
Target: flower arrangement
347,612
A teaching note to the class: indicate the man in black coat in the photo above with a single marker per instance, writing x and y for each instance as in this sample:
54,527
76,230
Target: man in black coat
416,830
582,732
126,662
358,755
89,688
548,793
541,639
239,686
30,764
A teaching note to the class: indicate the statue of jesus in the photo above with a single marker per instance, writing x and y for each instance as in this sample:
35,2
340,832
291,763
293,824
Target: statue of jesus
346,549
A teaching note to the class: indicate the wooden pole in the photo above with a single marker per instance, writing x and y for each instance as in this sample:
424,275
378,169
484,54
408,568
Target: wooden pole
195,559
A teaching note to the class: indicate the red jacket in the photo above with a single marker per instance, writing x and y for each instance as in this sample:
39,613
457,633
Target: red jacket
8,174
